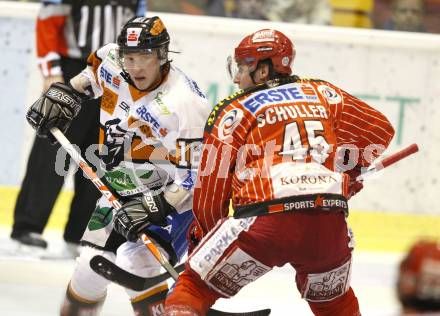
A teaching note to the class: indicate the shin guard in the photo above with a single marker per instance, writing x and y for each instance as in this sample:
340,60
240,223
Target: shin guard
74,305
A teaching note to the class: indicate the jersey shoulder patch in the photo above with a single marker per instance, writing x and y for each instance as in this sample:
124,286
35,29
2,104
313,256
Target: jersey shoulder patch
107,51
219,107
329,91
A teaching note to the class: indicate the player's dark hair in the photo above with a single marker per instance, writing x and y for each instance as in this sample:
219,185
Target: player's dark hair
272,72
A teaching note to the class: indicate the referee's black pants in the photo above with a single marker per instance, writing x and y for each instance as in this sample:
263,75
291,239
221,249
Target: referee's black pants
41,184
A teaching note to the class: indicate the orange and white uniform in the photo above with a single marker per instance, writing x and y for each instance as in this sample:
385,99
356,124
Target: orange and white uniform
275,150
163,130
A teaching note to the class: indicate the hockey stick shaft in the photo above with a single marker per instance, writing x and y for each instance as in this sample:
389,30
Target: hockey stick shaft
390,160
76,156
158,255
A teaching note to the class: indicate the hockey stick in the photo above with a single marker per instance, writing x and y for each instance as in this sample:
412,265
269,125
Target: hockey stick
388,161
76,156
114,273
159,257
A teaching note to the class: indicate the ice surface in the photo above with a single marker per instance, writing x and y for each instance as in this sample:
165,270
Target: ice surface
35,287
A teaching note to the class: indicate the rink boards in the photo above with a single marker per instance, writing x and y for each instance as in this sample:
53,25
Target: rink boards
373,230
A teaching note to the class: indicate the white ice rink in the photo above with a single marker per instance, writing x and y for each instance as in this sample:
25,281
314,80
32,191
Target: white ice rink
31,287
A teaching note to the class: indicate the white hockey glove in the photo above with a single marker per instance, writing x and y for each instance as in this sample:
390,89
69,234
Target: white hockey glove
55,108
139,213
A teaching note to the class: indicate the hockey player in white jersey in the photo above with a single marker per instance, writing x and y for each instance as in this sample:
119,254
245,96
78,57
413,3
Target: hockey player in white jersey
152,120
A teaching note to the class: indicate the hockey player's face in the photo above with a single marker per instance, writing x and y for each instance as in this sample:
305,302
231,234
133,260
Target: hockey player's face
243,77
143,68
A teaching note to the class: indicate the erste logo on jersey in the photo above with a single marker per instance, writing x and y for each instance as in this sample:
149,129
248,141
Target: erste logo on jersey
114,81
290,93
133,34
152,120
229,122
330,94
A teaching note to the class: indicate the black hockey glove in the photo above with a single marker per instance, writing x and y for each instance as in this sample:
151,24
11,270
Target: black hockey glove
114,137
55,108
139,213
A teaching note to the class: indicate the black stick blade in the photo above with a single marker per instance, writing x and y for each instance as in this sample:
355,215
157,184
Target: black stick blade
112,272
261,312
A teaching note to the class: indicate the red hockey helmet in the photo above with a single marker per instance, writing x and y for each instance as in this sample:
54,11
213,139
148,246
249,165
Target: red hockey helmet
418,284
265,44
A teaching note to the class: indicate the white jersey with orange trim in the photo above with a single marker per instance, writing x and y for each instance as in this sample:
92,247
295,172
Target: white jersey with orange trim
281,139
164,126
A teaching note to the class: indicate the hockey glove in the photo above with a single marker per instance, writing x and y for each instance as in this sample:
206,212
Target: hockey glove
55,108
354,186
136,215
114,137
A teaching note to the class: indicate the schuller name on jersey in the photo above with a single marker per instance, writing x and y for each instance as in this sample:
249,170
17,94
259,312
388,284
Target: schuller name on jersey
285,112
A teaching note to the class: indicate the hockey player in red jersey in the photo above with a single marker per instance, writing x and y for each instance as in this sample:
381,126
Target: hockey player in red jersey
286,151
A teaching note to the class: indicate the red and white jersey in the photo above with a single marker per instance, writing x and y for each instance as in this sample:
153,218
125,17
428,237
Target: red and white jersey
164,126
281,139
